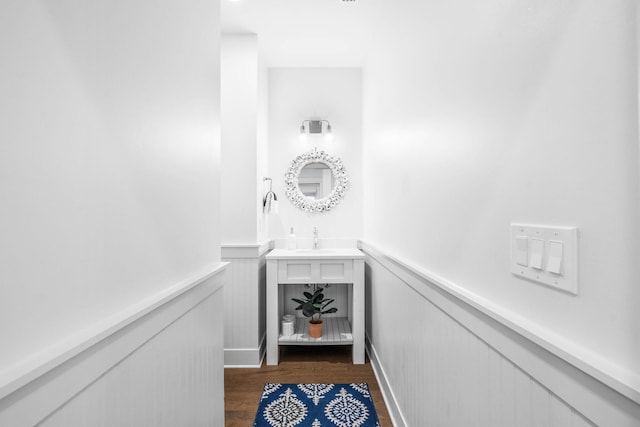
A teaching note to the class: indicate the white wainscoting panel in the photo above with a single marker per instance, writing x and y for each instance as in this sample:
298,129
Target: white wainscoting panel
163,369
245,305
440,362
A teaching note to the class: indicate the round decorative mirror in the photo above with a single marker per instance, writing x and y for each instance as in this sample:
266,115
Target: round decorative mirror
316,181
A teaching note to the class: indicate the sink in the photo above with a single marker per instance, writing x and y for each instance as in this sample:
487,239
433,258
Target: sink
326,253
315,251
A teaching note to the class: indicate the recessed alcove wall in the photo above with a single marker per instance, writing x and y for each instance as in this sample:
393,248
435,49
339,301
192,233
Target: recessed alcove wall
334,94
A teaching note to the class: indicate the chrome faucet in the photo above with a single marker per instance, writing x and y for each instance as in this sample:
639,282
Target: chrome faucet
316,242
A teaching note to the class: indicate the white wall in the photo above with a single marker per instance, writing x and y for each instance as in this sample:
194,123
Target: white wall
244,165
109,162
477,115
263,145
241,181
334,94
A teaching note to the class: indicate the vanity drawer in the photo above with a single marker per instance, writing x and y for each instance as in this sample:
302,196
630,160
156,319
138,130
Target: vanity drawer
315,271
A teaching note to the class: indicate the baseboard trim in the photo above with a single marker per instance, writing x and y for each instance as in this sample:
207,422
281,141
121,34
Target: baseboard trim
244,357
387,393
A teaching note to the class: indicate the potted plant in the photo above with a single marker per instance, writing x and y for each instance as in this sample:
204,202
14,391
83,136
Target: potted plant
314,306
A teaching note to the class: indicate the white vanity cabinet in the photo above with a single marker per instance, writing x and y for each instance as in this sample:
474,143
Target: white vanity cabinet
337,267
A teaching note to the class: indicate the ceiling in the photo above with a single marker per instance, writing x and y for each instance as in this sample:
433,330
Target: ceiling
305,33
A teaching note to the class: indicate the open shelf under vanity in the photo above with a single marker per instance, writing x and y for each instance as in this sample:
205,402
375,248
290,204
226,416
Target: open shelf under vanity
335,331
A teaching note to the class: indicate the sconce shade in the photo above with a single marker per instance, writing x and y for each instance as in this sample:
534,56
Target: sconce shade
315,127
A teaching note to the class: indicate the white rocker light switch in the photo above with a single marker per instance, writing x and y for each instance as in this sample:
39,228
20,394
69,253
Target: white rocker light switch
554,262
537,251
522,250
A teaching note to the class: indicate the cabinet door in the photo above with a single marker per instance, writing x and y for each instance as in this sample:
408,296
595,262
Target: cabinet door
315,271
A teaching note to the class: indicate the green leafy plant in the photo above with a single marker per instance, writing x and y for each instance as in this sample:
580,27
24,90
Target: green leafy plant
315,305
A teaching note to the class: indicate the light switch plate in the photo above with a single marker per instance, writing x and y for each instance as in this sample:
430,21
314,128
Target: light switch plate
568,279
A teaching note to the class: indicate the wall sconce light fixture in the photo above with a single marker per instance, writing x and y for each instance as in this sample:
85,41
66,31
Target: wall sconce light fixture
270,200
316,127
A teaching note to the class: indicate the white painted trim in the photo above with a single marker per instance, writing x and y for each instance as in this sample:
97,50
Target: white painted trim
385,387
245,357
242,358
508,334
50,358
256,250
243,366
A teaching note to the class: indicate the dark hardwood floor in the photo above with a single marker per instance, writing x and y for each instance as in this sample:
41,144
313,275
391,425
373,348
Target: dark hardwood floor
330,364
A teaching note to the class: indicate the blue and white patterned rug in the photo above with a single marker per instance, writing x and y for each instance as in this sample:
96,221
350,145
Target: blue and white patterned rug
316,405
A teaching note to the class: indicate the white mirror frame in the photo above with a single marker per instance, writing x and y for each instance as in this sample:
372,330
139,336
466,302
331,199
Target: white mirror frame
321,205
